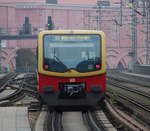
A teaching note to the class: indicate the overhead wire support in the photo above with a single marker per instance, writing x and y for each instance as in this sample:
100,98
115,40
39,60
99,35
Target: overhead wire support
134,32
120,23
0,55
98,17
148,31
121,5
141,13
144,7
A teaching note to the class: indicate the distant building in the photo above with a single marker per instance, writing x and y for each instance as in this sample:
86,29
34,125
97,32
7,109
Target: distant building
72,14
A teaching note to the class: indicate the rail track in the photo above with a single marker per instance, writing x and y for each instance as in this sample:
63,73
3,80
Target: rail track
143,103
92,121
118,84
132,97
140,112
5,80
124,119
56,120
85,120
123,77
15,89
59,121
138,97
69,121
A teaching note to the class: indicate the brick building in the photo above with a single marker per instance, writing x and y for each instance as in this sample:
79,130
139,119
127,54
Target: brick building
72,14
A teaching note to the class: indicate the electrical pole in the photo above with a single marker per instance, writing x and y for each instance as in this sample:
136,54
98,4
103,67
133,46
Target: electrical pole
134,33
148,31
98,17
0,56
121,5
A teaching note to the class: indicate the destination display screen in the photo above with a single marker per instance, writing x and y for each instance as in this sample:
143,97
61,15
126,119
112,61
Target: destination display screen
70,38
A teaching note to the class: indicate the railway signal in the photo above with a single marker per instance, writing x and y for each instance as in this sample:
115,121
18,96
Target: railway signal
49,23
27,26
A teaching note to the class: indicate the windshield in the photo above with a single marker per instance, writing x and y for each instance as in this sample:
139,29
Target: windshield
65,52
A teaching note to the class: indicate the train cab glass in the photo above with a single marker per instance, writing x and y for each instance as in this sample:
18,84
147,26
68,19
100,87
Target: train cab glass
78,52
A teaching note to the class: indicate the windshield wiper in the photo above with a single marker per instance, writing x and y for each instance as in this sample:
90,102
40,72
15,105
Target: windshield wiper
58,60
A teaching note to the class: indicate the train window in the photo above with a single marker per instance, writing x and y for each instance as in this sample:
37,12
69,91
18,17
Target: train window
69,51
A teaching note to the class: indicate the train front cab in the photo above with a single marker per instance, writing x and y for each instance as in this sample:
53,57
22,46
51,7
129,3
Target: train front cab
73,86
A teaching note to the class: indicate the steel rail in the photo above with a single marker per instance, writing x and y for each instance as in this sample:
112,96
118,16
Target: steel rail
131,100
15,96
19,92
26,88
18,79
125,80
125,119
90,122
134,102
142,93
26,82
100,124
53,121
5,80
29,92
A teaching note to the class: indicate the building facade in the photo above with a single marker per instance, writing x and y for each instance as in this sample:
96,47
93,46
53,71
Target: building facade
116,22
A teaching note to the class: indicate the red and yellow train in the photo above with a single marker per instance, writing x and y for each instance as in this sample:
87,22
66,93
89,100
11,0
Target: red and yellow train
72,67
